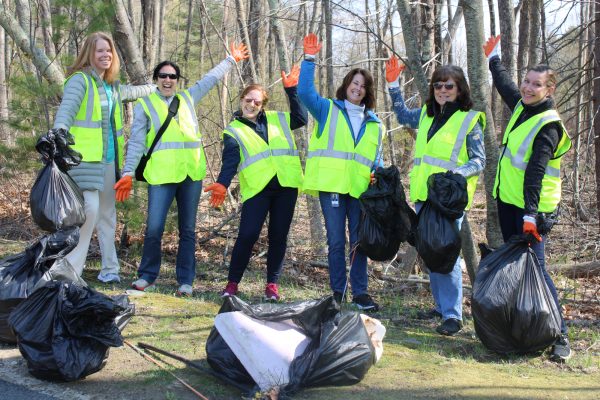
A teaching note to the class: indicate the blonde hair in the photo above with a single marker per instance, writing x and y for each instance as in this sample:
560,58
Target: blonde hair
86,57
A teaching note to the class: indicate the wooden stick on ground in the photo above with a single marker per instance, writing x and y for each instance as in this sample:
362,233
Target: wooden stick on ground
146,356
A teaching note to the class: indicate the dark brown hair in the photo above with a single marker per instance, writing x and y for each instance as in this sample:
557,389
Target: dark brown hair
256,86
550,73
369,99
442,74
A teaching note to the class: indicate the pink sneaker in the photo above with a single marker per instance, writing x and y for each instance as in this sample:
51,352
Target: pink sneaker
271,292
230,289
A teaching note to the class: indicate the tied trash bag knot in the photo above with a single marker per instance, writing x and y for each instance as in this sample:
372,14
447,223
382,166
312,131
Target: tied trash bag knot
513,309
437,237
386,216
55,199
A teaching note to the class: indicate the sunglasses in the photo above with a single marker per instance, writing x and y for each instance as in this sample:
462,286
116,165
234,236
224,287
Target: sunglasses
439,85
249,100
162,75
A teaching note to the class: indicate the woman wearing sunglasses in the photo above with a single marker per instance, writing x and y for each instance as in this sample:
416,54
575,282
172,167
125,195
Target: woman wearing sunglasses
528,175
450,137
175,169
259,146
344,149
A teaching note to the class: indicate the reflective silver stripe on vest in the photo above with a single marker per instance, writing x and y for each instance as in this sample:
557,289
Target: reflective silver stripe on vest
342,155
286,130
89,110
417,161
255,158
166,145
285,152
119,132
186,97
460,140
522,165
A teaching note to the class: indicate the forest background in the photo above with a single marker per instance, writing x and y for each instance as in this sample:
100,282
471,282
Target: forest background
39,39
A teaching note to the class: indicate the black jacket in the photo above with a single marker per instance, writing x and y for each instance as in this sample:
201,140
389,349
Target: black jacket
545,143
231,148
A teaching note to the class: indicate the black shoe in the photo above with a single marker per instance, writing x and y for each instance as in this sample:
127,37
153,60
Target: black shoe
561,350
429,314
337,296
450,327
365,303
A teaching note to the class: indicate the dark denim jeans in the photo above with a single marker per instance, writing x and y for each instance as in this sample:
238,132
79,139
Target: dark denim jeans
511,223
335,224
160,197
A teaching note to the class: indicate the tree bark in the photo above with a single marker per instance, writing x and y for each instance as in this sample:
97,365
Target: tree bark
126,41
584,270
241,13
523,49
46,20
597,103
48,69
478,79
3,96
186,45
427,34
280,41
329,47
507,44
534,32
156,33
161,29
147,32
469,251
224,116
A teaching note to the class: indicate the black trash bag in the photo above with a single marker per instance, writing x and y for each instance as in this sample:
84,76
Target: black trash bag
513,309
448,193
40,263
437,240
340,351
65,330
55,145
56,201
387,217
485,250
128,311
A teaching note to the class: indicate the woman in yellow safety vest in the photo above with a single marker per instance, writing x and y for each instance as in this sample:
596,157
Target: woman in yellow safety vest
344,149
175,169
450,137
260,147
528,176
92,109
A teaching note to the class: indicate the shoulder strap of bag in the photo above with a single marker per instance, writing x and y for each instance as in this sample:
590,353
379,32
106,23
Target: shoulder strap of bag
172,112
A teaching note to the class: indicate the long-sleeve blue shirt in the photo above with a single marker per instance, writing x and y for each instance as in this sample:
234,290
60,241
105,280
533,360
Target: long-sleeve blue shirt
318,106
475,146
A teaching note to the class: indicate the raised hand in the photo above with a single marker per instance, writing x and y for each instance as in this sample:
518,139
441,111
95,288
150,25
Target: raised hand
292,79
392,70
311,44
218,195
240,52
123,188
491,46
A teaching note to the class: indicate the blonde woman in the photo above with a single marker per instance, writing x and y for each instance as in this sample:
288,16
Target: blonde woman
92,109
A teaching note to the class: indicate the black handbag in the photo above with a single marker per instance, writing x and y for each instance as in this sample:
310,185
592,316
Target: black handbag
139,171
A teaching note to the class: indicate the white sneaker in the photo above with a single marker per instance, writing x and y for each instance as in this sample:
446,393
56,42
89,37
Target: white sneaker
186,290
109,278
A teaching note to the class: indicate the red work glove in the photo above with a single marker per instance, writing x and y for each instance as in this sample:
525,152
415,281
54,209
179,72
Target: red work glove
218,195
311,44
529,227
292,79
392,70
240,52
491,45
123,187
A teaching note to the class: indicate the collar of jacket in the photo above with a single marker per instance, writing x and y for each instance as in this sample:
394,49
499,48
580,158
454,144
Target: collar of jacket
371,114
449,108
99,81
261,121
542,106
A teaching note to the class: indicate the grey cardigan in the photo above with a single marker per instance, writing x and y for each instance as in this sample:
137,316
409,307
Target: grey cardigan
141,124
90,175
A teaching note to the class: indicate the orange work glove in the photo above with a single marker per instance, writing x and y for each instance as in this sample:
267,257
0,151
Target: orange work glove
529,227
218,195
240,52
373,179
311,44
292,79
392,70
123,187
491,46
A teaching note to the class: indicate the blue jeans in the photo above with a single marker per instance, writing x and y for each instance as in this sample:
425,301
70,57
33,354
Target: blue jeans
447,288
335,224
511,223
160,197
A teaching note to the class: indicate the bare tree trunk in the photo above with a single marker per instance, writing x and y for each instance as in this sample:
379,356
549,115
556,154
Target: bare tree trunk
224,116
329,47
469,252
186,45
280,42
452,28
241,13
428,34
46,19
478,79
147,32
523,49
24,15
155,32
161,29
507,43
493,33
448,46
439,44
534,32
131,14
3,97
597,102
126,41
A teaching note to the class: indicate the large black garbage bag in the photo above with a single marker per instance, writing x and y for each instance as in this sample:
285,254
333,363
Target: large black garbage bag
448,193
438,240
340,351
40,263
513,309
387,217
55,199
65,330
128,312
